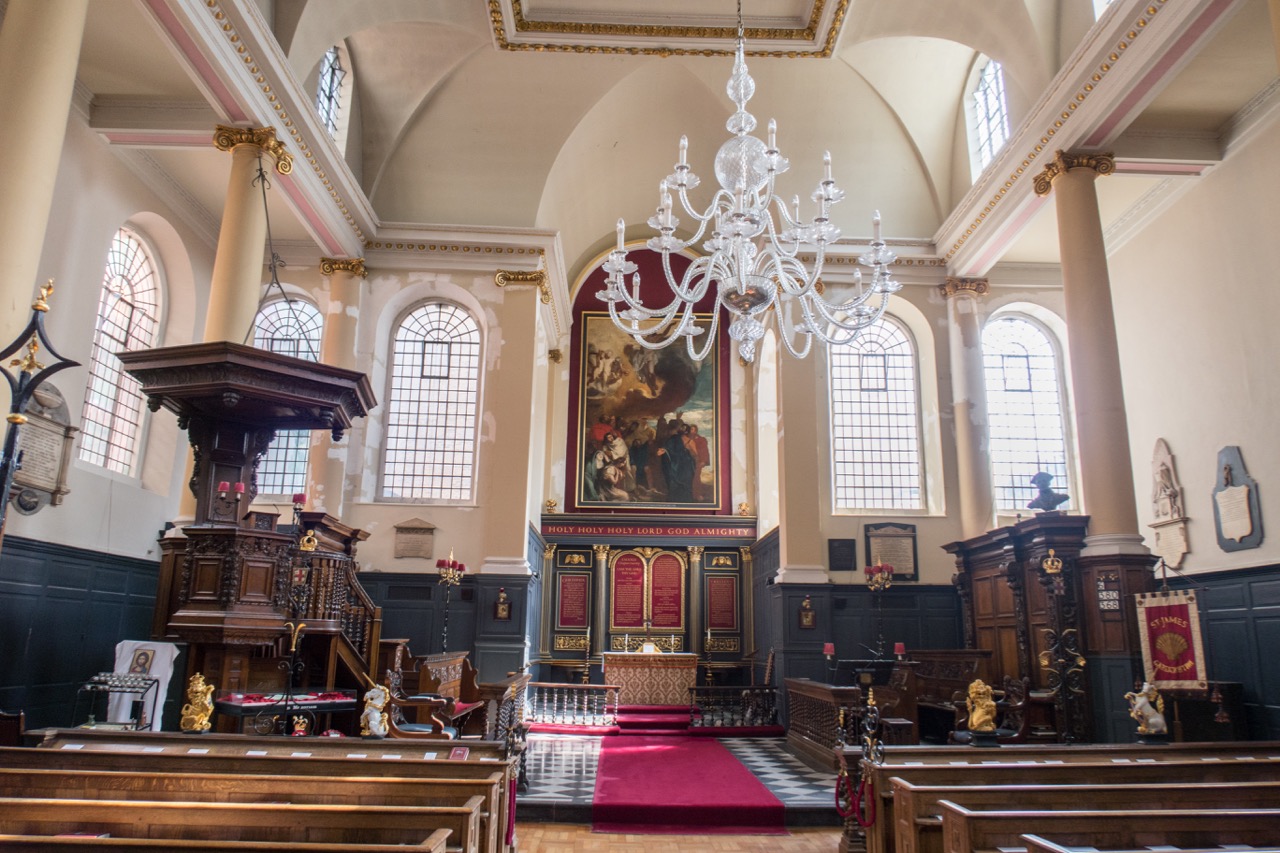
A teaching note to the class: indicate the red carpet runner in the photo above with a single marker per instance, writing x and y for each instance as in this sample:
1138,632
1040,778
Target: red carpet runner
680,785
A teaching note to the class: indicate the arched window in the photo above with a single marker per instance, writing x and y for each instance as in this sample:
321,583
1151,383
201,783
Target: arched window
329,89
433,407
128,319
875,421
291,327
990,113
1024,410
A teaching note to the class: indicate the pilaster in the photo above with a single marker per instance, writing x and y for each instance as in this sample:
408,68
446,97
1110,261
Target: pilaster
968,384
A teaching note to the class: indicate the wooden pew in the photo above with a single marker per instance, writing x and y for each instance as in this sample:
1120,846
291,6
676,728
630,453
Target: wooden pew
285,822
918,815
75,782
1055,765
166,752
969,831
1037,844
435,843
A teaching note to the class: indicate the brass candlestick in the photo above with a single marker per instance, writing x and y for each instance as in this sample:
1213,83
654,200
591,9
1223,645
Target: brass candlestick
451,572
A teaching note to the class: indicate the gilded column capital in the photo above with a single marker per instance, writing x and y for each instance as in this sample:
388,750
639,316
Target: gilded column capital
227,138
355,266
953,286
548,551
696,551
1103,164
537,278
601,551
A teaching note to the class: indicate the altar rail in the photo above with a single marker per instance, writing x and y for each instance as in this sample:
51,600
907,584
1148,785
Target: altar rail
715,707
814,714
572,704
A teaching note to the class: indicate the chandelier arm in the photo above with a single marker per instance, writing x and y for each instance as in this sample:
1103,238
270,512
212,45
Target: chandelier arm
785,337
638,332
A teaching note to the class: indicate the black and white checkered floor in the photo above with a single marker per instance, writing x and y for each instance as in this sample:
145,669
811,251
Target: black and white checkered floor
562,771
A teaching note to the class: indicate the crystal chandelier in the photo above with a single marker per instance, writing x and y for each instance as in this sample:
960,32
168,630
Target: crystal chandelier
753,264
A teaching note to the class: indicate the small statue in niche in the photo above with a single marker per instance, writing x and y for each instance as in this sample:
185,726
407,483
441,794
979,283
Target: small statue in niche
1047,499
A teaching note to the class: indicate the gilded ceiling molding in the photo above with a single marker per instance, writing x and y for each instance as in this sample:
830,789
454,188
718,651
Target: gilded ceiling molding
953,286
355,266
251,65
1103,164
1113,56
226,138
451,248
537,278
652,31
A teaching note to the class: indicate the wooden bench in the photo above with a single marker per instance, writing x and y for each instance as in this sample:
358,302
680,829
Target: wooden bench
266,756
78,783
970,831
435,843
918,815
284,822
1037,844
1054,765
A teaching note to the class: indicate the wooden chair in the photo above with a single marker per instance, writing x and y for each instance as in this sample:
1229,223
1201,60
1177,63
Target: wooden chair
1011,711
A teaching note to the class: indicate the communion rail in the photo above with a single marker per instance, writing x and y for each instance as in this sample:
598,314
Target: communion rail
733,706
572,704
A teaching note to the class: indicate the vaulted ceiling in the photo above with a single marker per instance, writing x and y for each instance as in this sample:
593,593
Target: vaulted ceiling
547,120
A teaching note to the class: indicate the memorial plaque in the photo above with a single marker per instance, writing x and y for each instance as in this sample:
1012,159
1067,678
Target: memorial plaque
573,597
415,538
893,545
628,587
666,592
45,446
722,603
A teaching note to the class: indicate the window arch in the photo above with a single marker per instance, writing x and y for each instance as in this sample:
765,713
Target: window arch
128,319
433,407
990,114
1024,410
290,327
875,420
329,89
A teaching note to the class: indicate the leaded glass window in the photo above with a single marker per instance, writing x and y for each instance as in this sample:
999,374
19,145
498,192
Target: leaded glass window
1024,411
128,319
875,420
991,113
291,327
329,89
433,407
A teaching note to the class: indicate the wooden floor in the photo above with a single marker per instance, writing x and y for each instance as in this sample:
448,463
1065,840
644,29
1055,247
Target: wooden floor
569,838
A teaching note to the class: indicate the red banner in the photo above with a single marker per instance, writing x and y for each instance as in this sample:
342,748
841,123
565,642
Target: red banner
1172,652
666,592
722,602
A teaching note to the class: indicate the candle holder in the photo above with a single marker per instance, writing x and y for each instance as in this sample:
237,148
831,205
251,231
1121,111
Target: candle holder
451,572
879,578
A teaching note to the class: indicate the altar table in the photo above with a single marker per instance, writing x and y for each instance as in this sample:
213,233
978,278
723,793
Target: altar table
651,679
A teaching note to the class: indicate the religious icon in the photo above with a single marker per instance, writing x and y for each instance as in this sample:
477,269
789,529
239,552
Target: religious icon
502,607
141,664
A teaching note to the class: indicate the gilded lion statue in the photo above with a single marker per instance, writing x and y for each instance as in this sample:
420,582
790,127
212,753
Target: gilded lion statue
982,707
373,720
199,707
1147,707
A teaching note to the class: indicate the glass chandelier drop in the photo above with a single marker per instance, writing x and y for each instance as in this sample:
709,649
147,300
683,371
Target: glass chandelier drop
753,264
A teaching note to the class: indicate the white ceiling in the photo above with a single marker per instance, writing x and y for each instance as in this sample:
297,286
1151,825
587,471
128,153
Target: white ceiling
562,115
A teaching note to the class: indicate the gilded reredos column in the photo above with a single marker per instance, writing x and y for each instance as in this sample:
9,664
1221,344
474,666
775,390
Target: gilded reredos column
236,283
1101,425
327,462
39,52
969,391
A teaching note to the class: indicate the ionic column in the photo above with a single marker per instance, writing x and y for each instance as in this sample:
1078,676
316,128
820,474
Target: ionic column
969,392
39,53
236,283
800,540
1101,426
327,460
